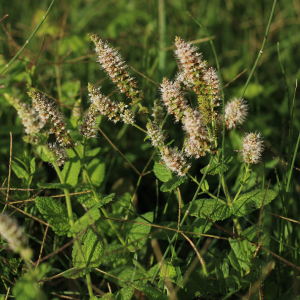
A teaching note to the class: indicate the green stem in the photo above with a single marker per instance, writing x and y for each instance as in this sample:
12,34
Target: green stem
225,188
28,41
182,221
242,185
102,209
261,49
70,215
138,127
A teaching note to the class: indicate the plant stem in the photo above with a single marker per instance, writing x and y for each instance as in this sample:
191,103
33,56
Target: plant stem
70,215
28,41
261,49
242,185
182,221
102,209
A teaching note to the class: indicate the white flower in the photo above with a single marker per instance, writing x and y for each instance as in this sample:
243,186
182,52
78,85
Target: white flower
156,135
252,148
236,112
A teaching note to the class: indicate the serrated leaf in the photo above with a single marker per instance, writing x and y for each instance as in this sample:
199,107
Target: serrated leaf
71,171
114,252
216,165
172,184
55,213
55,186
19,171
91,249
149,291
96,170
162,172
87,199
138,231
251,201
205,206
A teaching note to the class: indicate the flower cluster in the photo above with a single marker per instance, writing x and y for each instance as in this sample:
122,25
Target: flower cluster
158,112
173,98
175,161
236,112
190,60
198,141
28,115
156,134
49,114
102,105
115,66
12,233
60,153
195,74
252,148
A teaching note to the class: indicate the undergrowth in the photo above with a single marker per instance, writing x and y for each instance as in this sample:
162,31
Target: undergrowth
210,215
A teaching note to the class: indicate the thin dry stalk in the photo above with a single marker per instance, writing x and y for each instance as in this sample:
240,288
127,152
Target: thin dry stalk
42,246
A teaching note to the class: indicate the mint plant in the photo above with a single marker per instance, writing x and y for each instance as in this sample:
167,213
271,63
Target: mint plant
98,236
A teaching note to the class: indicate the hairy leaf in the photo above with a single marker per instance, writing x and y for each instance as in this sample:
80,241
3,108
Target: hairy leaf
76,273
91,249
87,219
251,201
55,213
205,206
172,184
27,289
19,171
138,231
114,252
162,172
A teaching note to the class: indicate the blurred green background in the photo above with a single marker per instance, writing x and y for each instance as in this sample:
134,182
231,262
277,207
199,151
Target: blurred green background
60,61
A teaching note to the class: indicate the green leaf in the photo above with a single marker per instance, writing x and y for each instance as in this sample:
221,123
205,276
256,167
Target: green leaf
162,172
172,184
19,171
87,219
241,251
91,216
27,289
205,186
93,152
114,252
55,186
88,199
55,213
234,261
149,291
71,171
216,165
138,231
251,201
32,166
91,249
125,293
214,168
205,206
96,170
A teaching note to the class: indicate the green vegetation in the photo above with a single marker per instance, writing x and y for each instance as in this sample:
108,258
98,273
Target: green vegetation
109,219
